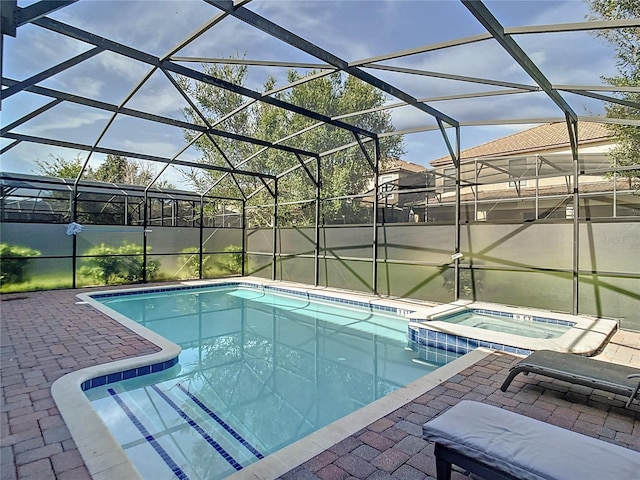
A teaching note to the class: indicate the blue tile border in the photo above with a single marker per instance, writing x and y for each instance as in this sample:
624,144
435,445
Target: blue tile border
272,288
158,367
517,316
127,374
432,355
426,337
449,342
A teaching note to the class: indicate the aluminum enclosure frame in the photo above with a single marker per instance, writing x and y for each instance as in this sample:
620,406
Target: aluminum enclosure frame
14,18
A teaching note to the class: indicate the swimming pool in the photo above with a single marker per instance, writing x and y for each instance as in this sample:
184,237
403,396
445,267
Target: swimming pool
259,369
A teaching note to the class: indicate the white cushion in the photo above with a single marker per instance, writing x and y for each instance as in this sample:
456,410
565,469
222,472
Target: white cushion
527,448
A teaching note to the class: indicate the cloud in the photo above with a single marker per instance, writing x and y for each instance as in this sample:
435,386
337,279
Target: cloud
410,117
22,159
155,147
34,50
86,86
558,12
564,58
123,67
305,17
68,122
165,101
150,26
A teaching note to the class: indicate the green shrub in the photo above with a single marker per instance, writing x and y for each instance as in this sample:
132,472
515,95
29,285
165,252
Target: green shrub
471,280
212,265
190,261
14,263
113,265
232,262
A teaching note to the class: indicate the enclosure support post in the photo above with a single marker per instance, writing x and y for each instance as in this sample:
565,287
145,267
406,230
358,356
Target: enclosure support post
244,237
376,183
201,249
274,261
614,214
74,246
572,126
537,207
455,158
476,190
456,238
316,260
144,237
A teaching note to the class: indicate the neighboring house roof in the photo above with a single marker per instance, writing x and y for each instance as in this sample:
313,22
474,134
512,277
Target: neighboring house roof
542,137
395,164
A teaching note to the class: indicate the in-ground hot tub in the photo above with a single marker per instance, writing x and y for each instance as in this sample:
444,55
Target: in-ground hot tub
512,323
463,326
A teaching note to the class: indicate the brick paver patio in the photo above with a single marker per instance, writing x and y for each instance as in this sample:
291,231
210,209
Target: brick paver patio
47,334
44,336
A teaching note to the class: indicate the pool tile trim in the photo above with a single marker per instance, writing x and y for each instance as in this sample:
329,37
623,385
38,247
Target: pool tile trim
94,300
520,316
425,337
307,294
127,374
418,330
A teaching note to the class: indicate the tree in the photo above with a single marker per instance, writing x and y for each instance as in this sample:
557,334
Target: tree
215,103
627,44
118,169
60,167
114,169
343,173
101,208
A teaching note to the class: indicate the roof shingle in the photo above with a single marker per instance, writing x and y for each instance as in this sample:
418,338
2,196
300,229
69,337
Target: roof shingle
542,137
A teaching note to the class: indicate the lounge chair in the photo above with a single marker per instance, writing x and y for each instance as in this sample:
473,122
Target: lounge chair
611,377
495,443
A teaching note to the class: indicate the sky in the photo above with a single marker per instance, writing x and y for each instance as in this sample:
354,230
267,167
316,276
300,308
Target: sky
349,29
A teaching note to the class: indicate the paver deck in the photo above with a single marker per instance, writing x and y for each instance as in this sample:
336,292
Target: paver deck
47,334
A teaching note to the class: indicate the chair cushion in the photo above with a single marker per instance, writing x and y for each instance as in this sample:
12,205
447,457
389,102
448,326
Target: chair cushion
527,448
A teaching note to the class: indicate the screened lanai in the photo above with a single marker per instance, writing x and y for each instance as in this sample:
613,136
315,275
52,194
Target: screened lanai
243,160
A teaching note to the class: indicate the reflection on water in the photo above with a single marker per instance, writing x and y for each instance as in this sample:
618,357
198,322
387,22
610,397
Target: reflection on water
257,368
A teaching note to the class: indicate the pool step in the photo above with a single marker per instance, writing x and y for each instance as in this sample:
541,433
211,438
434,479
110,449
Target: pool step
169,432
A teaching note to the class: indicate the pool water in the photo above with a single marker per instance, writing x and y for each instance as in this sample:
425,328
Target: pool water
518,325
257,372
